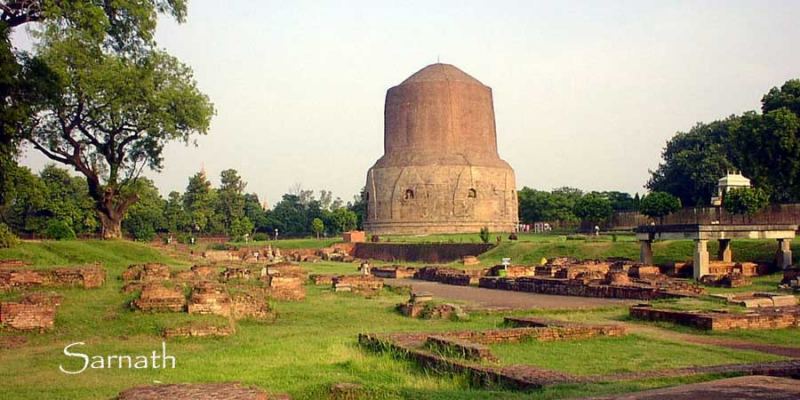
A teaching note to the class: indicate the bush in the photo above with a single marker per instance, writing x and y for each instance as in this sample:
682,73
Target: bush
260,237
485,234
59,230
7,238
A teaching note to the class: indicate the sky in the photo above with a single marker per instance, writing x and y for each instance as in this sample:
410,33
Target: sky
586,93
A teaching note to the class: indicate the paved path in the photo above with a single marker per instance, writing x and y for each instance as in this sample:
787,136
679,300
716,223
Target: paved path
504,299
745,387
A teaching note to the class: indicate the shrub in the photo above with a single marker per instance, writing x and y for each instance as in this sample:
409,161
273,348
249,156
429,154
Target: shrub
59,230
260,237
485,234
7,238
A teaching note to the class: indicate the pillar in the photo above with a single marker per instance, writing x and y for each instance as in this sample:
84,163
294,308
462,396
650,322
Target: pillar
725,254
783,258
701,260
646,252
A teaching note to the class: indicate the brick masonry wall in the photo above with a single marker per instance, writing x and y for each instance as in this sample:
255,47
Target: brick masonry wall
767,318
421,252
573,287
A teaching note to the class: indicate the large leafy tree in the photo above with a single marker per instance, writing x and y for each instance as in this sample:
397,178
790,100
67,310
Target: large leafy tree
557,205
198,202
593,207
146,217
763,146
743,201
766,147
693,162
115,101
659,205
230,199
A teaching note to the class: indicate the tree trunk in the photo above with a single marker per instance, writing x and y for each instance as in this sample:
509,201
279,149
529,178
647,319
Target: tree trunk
111,210
112,224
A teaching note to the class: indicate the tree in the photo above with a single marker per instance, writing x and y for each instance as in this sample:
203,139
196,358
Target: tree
198,201
741,201
289,217
767,149
67,199
255,212
116,102
343,220
26,200
230,198
693,162
241,227
146,217
359,207
787,96
593,207
659,205
538,205
317,226
764,147
175,217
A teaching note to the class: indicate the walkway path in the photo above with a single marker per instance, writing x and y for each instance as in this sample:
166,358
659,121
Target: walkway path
504,299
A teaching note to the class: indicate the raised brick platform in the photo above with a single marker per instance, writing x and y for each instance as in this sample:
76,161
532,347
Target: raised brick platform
762,318
87,276
156,297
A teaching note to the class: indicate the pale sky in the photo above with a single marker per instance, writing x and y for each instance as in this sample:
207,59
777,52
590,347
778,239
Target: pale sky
586,93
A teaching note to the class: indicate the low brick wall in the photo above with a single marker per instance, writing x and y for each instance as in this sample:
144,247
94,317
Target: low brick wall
449,276
419,252
460,348
574,287
395,271
765,318
88,277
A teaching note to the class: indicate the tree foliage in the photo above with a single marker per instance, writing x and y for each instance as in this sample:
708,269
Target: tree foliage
114,99
741,201
593,207
765,147
659,205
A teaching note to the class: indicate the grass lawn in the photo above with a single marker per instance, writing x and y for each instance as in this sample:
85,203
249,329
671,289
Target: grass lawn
630,353
311,345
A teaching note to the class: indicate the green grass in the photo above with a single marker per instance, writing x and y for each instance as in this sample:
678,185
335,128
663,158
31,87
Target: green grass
630,353
311,345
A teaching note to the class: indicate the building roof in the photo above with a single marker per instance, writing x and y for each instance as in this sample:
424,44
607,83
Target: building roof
441,72
734,180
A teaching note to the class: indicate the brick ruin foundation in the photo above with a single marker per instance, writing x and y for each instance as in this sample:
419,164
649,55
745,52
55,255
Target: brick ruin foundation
762,318
466,352
87,276
361,284
158,298
567,277
759,299
421,305
393,272
35,311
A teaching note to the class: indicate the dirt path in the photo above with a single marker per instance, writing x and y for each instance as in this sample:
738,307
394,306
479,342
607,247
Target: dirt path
791,352
745,387
504,299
